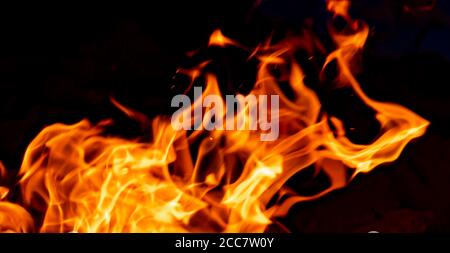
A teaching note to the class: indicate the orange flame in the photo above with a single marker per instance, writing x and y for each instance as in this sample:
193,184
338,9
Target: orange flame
218,39
13,217
84,181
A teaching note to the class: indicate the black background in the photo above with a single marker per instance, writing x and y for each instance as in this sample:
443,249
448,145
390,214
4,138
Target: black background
62,63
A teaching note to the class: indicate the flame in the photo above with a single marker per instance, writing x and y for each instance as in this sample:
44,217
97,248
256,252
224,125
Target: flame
218,39
13,217
83,180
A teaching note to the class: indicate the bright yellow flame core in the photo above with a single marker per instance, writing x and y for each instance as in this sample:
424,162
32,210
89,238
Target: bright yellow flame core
86,182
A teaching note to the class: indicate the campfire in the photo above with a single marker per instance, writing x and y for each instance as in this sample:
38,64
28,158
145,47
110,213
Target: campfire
206,167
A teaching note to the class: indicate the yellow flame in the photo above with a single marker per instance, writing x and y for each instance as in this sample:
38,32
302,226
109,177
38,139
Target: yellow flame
228,181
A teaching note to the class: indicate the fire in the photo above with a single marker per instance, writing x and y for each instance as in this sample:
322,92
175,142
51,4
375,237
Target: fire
218,39
82,180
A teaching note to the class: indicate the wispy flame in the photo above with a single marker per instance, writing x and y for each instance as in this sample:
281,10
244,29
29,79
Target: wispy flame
84,181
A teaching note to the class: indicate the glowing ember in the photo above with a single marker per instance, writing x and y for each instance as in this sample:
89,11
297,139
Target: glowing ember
83,181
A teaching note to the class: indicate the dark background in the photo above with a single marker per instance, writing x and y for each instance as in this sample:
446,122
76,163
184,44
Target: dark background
62,63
